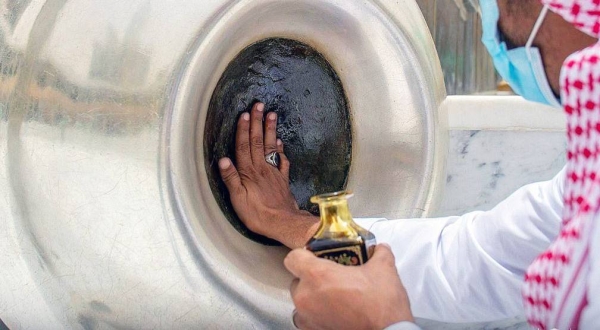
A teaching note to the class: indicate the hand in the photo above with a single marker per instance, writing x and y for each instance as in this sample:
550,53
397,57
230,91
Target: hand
331,296
260,193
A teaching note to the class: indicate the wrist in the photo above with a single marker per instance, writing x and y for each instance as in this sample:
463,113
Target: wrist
295,228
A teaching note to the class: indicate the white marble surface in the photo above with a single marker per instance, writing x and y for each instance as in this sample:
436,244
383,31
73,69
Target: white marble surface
484,167
502,113
498,144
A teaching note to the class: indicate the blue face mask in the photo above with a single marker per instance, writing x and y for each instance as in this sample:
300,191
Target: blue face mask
521,67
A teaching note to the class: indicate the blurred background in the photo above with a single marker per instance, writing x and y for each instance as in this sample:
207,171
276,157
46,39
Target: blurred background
456,30
454,25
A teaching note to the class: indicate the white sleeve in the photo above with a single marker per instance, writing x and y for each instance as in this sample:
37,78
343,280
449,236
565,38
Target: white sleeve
403,326
471,268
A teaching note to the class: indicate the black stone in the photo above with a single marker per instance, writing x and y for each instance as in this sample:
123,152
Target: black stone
297,83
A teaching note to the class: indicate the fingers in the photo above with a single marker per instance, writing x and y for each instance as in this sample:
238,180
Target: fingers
300,322
271,133
242,142
252,144
295,319
230,176
294,287
284,164
257,149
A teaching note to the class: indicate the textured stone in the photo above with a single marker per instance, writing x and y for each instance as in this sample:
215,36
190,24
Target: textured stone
297,83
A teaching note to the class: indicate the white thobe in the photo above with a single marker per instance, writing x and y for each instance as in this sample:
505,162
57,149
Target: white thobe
471,268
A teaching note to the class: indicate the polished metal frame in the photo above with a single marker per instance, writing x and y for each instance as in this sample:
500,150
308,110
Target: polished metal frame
108,214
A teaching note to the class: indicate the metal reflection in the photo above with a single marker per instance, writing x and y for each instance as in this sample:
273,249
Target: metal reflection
102,109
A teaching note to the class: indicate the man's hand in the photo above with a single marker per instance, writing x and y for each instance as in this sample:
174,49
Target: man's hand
331,296
260,193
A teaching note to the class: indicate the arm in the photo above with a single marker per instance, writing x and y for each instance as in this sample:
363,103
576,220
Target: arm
470,268
370,296
456,269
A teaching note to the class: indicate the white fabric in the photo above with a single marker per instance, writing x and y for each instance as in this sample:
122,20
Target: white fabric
403,326
471,268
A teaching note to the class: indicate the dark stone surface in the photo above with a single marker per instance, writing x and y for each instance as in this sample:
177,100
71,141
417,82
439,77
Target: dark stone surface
297,83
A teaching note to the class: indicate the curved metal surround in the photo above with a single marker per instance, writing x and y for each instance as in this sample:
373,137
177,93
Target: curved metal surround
102,109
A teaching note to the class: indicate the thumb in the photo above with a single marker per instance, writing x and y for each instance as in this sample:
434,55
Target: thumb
382,255
230,175
300,262
297,261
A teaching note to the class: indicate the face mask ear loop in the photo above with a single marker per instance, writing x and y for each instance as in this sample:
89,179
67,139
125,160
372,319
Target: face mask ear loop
537,26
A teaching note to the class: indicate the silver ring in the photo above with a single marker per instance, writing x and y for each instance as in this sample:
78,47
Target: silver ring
272,159
294,312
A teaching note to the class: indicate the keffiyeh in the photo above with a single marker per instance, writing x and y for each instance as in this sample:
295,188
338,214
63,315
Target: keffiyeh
555,284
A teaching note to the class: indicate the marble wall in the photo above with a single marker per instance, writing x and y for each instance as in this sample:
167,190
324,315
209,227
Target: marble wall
484,167
496,146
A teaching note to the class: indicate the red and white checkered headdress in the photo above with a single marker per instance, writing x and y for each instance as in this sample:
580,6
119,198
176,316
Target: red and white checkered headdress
555,290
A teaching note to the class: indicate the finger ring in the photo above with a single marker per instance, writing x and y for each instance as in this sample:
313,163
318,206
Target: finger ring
294,312
272,159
